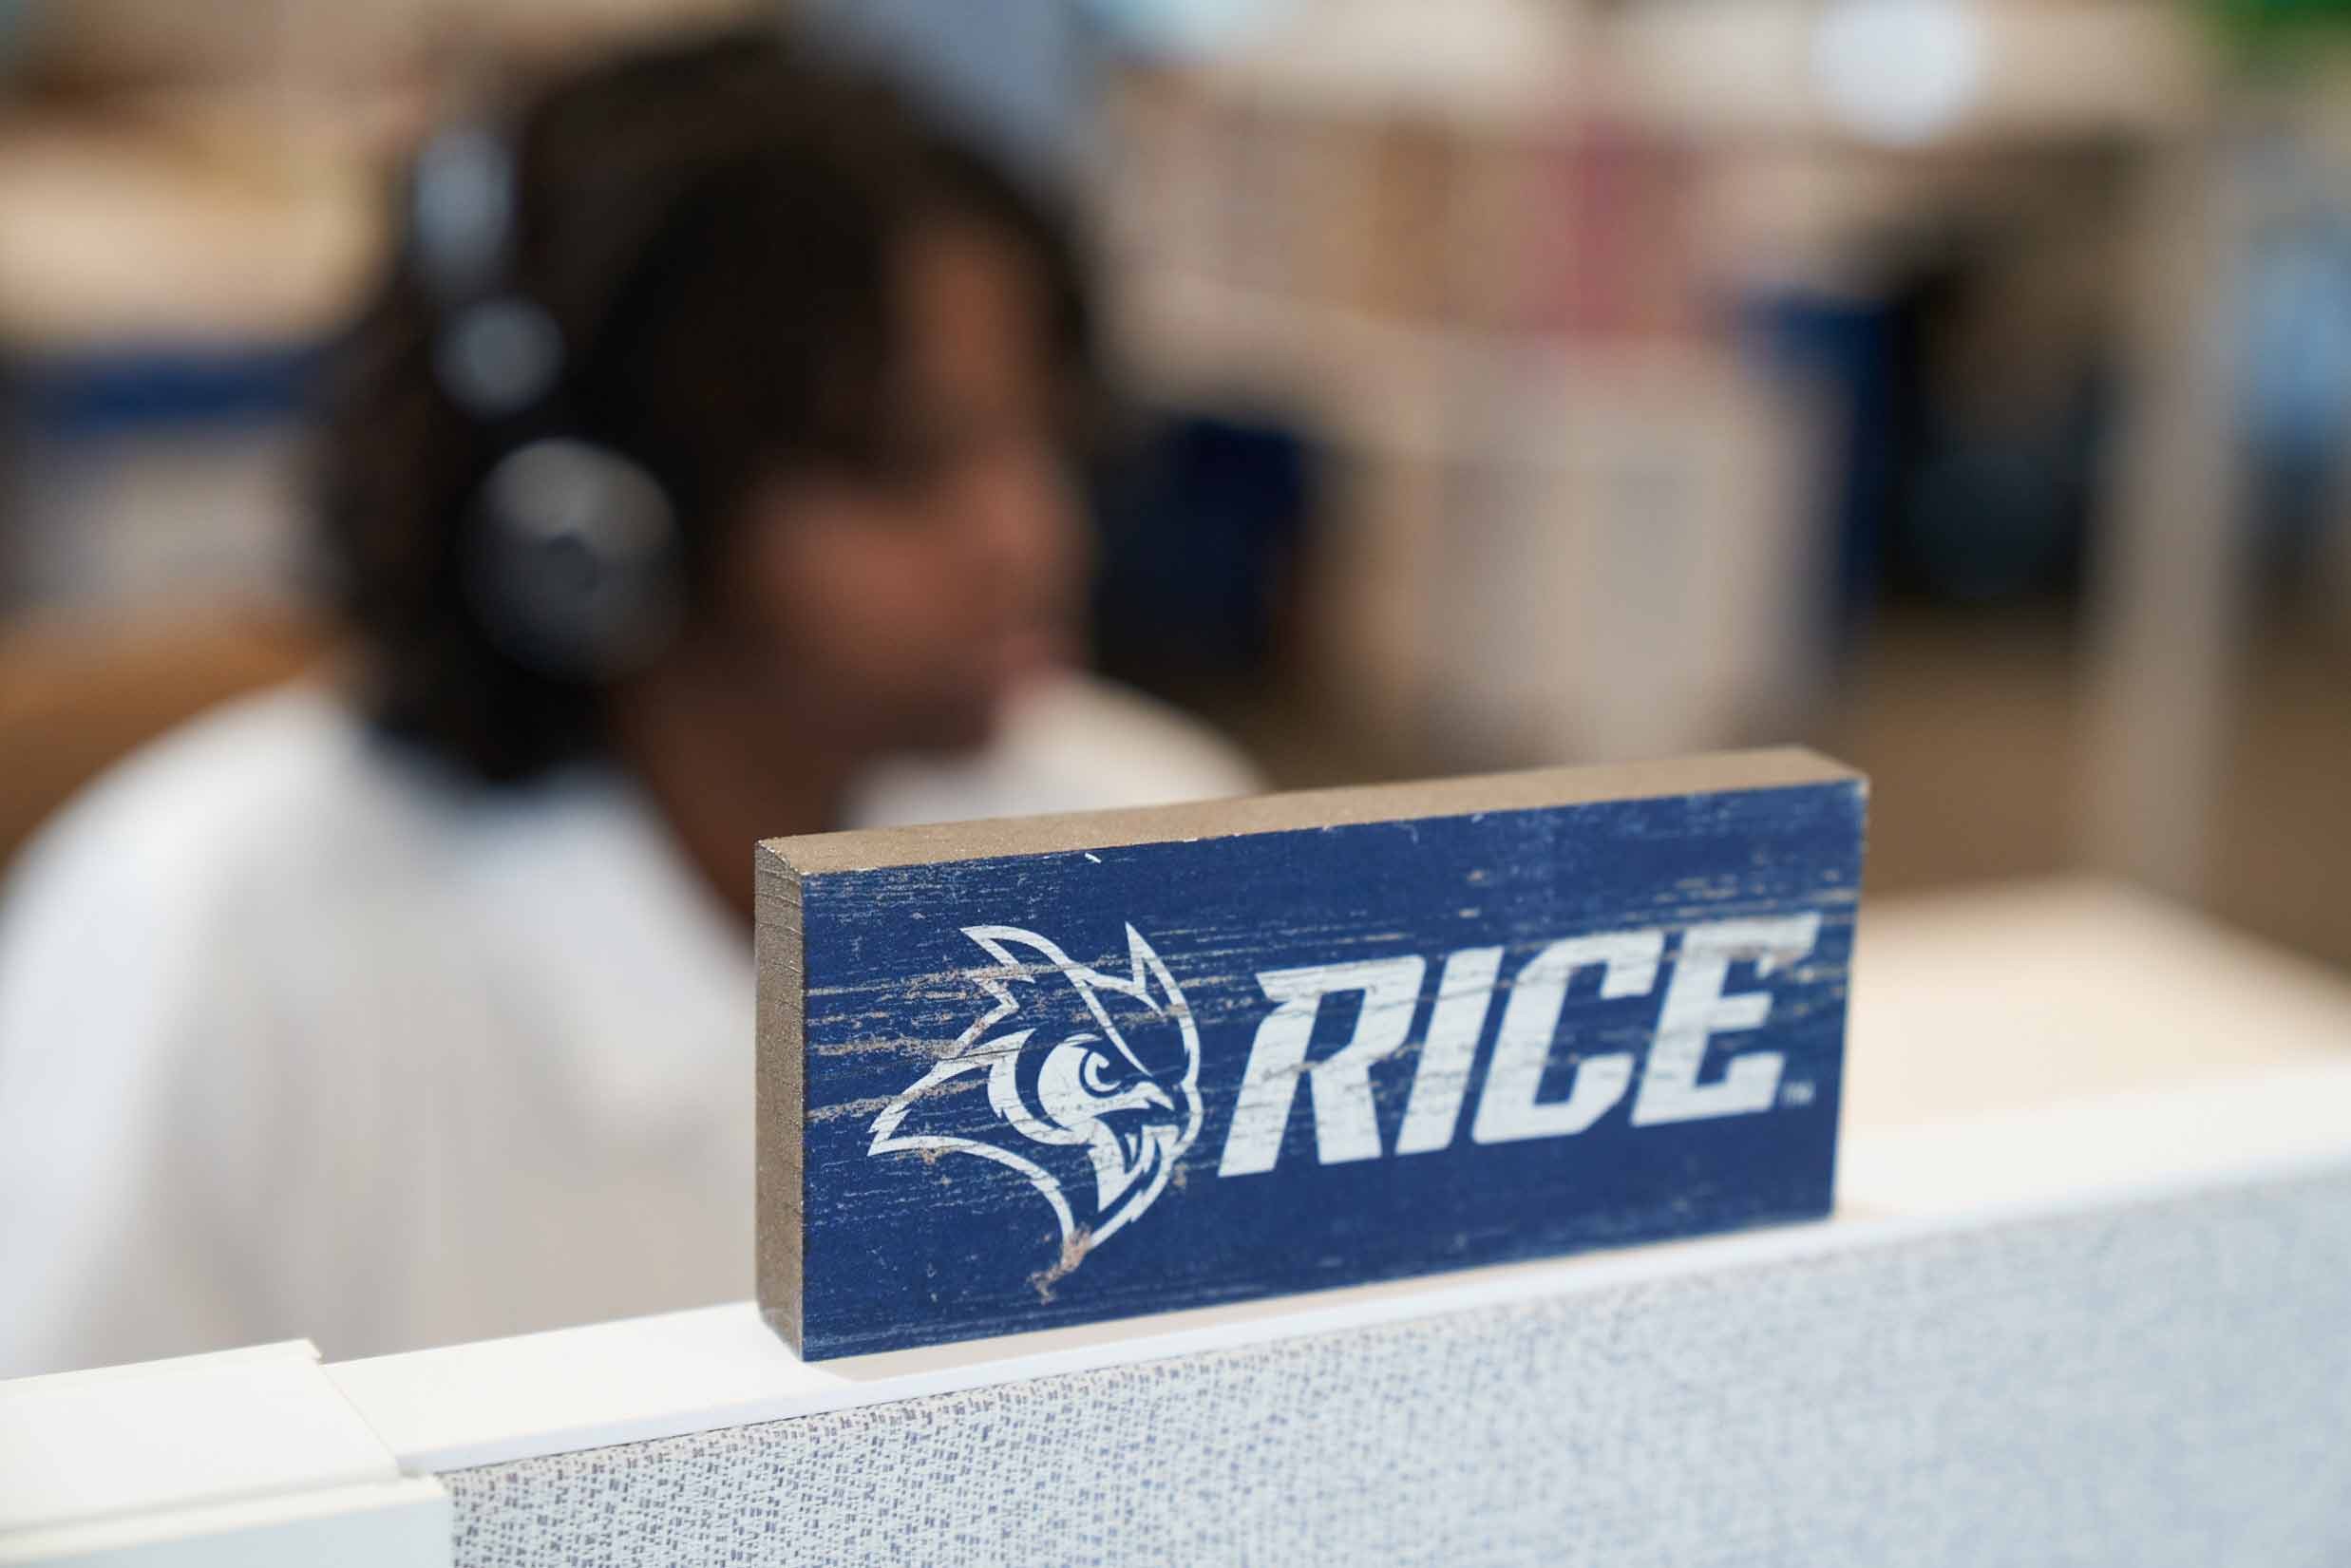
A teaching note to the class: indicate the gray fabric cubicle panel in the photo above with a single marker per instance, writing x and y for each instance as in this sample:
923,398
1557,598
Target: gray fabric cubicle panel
2166,1382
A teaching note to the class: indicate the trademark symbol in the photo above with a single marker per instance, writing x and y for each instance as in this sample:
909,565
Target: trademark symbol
1796,1094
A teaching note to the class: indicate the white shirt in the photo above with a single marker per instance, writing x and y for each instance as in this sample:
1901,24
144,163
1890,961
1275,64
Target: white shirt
300,1039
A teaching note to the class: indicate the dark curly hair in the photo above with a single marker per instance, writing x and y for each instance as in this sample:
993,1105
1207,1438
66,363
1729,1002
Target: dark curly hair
711,224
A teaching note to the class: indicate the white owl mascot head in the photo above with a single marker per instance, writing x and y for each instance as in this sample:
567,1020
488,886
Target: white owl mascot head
1106,1064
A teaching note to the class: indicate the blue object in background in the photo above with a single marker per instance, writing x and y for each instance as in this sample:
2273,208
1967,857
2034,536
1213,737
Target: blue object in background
2294,384
1934,499
124,391
1202,525
1845,347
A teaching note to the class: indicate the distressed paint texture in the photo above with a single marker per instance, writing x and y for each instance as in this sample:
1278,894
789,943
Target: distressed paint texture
927,1240
2160,1385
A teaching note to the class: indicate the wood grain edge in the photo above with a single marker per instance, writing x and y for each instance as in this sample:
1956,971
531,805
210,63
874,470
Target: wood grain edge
1775,767
781,1096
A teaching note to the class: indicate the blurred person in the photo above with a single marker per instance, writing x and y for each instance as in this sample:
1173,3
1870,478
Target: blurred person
698,475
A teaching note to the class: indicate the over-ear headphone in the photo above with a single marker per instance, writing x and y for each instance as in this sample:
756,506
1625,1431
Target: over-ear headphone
570,551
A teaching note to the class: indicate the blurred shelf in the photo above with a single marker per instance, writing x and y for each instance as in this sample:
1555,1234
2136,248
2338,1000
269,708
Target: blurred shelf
1418,390
1497,63
2043,69
117,233
2046,69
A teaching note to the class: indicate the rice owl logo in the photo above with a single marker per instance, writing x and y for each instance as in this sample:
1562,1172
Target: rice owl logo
1094,1076
1094,1095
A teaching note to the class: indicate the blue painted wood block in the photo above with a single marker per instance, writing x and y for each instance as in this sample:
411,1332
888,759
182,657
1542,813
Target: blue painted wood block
1023,1074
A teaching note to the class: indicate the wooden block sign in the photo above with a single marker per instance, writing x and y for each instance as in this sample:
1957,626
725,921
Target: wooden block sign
1022,1074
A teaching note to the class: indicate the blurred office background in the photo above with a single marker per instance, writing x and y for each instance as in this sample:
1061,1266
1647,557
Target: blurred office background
1960,385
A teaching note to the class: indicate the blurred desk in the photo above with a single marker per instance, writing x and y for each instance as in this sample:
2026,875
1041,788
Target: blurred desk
2031,994
2060,1040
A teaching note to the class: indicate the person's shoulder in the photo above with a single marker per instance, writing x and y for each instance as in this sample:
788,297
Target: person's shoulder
1129,746
1076,744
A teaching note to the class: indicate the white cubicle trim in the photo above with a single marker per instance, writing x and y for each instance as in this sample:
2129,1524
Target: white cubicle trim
249,1457
400,1523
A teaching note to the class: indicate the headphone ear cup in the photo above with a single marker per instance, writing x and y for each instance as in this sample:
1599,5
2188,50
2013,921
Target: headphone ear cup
573,561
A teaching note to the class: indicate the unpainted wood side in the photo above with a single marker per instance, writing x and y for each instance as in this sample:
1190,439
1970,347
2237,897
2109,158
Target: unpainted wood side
1770,768
782,1094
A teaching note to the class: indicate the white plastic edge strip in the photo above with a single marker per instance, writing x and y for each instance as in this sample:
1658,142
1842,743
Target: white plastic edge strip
403,1523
